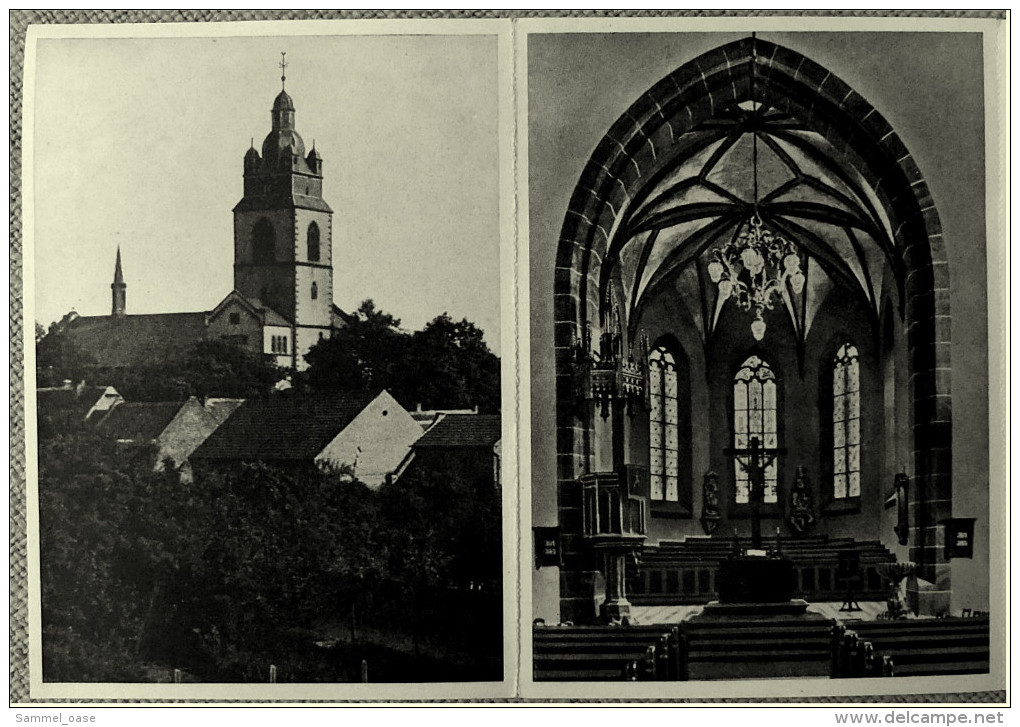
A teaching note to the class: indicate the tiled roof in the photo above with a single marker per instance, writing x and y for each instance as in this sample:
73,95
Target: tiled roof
269,316
221,408
463,430
137,340
282,427
141,421
51,400
339,318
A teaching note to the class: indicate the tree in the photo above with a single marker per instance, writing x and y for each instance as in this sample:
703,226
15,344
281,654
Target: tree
58,357
104,540
450,366
362,357
445,365
142,572
220,368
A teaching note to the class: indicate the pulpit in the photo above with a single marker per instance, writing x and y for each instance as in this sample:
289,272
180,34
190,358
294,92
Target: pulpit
614,527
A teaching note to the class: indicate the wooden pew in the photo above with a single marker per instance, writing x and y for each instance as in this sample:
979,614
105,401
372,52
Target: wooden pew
755,648
605,653
915,647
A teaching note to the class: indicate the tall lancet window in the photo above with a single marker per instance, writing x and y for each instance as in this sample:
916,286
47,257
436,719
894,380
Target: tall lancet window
664,440
754,415
846,423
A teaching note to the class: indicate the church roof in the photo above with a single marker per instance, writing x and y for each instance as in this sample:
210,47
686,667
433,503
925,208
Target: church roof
463,430
136,340
340,318
294,427
141,420
282,202
269,316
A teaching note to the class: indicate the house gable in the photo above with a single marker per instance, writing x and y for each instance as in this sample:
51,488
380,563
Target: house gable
375,442
191,426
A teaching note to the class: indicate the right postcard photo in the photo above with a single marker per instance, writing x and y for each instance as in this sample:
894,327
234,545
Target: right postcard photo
760,357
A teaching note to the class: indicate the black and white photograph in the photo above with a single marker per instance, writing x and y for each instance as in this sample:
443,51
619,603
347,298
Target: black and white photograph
267,338
759,358
534,358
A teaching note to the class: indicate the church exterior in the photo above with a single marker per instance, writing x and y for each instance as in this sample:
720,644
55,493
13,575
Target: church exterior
282,301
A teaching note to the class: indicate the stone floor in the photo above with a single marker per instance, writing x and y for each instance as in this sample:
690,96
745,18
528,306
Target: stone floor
675,614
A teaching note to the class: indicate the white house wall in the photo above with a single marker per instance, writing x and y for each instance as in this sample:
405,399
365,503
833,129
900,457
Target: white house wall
383,432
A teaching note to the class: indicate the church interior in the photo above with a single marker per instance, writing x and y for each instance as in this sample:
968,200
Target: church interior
759,358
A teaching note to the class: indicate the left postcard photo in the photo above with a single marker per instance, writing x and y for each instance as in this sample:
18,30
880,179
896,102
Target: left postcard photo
264,437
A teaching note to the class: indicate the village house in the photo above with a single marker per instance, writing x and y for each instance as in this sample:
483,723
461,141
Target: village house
175,427
466,445
371,435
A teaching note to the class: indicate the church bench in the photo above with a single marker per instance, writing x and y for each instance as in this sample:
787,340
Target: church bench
737,649
915,647
605,653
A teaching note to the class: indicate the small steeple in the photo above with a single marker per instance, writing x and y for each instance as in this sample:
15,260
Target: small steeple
283,106
119,288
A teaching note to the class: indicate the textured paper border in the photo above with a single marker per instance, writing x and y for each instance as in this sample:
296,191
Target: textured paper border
19,525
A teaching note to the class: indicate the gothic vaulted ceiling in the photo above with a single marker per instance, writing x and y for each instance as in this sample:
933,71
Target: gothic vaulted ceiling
706,196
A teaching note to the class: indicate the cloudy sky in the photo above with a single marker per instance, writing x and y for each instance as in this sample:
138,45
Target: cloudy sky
139,143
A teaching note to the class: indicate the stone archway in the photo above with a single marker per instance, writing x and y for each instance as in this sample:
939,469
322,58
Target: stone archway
639,144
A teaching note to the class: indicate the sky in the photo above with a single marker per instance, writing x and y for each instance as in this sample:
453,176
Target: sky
140,142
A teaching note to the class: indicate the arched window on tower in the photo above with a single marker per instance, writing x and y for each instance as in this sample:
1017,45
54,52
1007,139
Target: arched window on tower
313,242
263,242
846,423
755,415
663,426
315,290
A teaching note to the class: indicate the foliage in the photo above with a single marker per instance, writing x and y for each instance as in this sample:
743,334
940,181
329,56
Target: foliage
101,545
364,356
445,365
220,577
59,357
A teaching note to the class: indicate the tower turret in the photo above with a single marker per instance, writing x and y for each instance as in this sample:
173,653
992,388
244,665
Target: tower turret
119,288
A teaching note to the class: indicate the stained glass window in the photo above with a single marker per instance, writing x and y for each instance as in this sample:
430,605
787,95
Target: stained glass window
754,415
846,423
663,427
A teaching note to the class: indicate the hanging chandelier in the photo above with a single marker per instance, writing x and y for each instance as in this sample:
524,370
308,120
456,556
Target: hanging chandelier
754,267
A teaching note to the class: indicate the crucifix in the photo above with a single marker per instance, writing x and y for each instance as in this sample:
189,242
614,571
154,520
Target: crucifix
756,460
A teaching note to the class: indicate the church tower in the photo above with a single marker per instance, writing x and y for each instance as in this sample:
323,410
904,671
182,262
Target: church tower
283,231
119,288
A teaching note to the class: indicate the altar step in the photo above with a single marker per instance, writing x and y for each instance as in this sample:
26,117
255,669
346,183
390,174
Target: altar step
685,572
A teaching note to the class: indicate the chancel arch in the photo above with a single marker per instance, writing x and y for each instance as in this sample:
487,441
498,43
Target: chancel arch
753,141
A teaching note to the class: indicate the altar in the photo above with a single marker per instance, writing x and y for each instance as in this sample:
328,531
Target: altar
755,579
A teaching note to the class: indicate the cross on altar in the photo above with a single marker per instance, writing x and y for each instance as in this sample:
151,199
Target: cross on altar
758,458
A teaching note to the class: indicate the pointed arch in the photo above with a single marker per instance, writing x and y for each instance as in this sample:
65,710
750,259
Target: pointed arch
313,242
663,123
